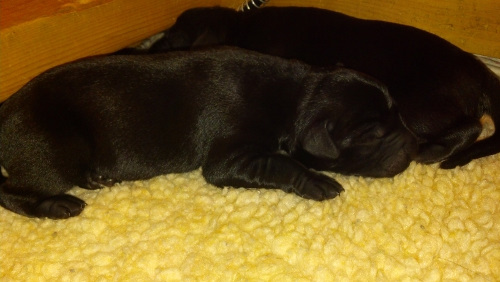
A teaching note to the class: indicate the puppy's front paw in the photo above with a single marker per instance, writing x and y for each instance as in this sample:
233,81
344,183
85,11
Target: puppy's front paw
453,163
60,207
320,187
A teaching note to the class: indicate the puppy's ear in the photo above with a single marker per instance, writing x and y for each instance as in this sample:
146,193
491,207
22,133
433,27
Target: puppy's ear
318,142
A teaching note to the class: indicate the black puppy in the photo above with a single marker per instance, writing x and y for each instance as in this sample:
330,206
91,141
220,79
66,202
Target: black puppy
440,90
249,120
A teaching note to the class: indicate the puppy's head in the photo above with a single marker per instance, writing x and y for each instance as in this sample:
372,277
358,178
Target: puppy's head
198,27
349,124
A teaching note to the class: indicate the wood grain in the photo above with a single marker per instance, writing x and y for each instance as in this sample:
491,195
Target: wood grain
55,32
38,34
473,25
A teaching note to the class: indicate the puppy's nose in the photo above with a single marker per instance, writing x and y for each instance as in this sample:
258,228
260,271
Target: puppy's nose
410,146
405,141
398,164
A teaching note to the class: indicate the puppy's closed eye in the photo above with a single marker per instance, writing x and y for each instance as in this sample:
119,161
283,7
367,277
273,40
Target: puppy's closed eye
365,134
373,130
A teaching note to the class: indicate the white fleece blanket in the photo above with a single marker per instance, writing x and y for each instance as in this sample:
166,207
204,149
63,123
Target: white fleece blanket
425,224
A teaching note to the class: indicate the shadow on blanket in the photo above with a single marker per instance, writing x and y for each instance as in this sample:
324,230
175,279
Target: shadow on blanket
424,224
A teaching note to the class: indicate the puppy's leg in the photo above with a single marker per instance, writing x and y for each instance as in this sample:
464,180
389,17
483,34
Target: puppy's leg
453,140
27,202
251,169
36,183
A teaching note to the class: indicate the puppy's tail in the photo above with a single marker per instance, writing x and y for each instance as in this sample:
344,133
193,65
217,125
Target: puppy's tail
3,177
2,181
3,174
490,145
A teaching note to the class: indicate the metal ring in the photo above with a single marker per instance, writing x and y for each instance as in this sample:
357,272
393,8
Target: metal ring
250,4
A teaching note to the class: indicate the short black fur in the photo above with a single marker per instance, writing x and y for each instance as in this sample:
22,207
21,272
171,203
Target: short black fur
248,119
440,90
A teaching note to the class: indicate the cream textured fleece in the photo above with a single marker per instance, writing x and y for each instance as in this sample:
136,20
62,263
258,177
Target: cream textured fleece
424,224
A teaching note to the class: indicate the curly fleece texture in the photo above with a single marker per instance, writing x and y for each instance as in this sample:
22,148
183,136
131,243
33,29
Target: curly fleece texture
425,224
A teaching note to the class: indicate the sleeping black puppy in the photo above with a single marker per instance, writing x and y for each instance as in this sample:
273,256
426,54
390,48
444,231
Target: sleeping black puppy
440,90
248,119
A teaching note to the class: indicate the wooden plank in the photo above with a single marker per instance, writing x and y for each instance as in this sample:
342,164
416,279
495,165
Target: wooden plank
18,12
473,25
38,34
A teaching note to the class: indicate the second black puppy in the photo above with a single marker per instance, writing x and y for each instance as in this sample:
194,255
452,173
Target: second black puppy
441,91
249,120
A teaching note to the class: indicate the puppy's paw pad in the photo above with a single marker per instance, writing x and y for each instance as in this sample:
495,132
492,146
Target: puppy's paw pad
321,187
60,207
